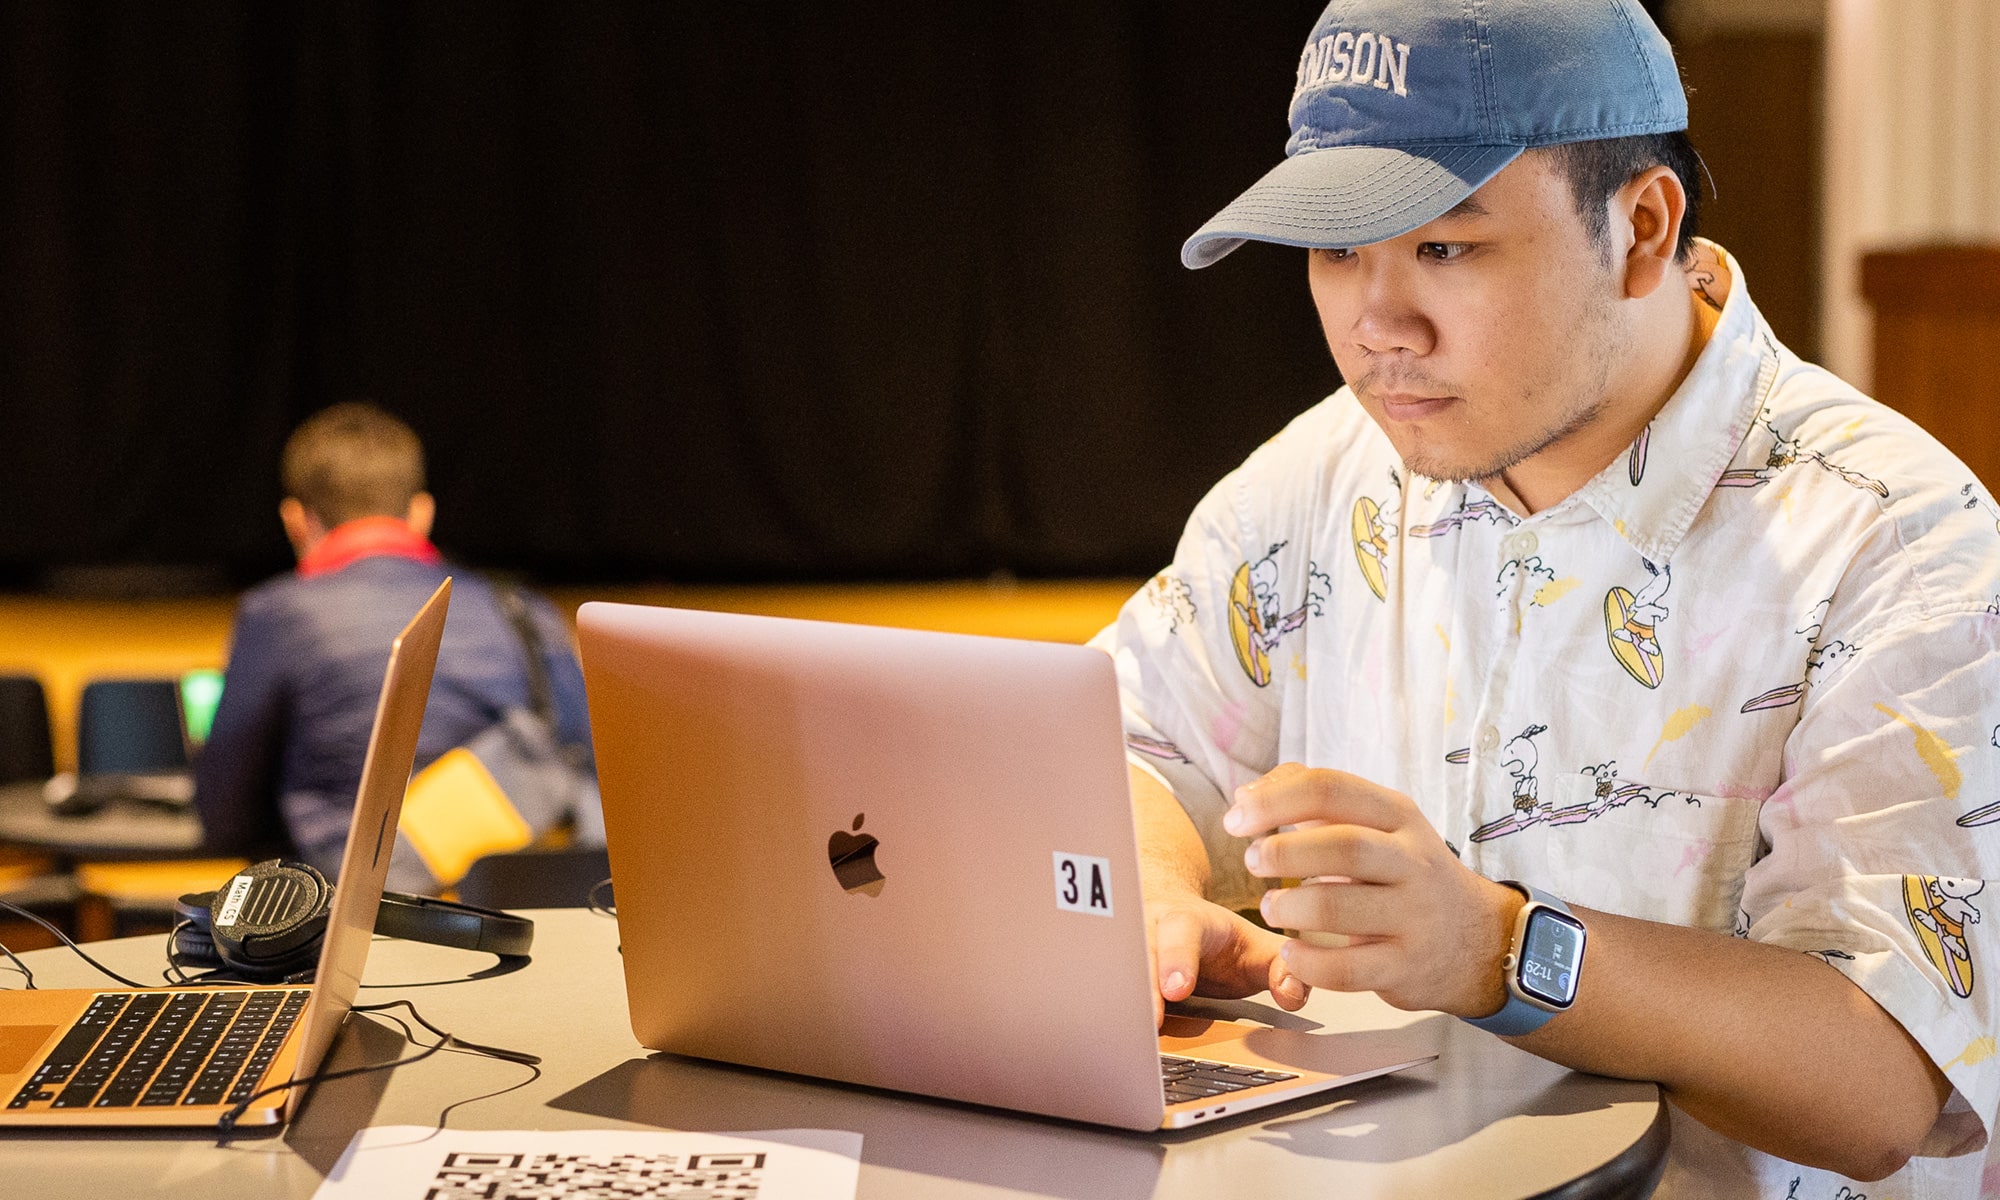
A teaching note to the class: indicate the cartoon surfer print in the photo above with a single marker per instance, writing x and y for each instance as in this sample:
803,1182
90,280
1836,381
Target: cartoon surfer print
1819,657
1374,527
1632,622
1974,500
1467,513
1173,599
1702,281
1607,793
1787,452
1156,747
1990,813
1940,907
1519,758
1528,575
1257,620
1635,462
1845,1192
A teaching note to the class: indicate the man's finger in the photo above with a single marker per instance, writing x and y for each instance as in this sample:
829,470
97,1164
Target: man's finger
1349,851
1297,795
1355,909
1286,988
1153,973
1361,967
1177,943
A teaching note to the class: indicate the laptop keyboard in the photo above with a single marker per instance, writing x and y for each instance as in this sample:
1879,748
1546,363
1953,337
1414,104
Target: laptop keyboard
1198,1079
142,1049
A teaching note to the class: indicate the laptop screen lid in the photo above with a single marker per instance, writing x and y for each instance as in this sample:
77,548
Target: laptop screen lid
371,834
889,857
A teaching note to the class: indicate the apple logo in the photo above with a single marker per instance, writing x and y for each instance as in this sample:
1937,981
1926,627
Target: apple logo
853,859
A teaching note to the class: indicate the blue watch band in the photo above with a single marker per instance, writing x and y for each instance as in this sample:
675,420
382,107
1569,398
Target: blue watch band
1519,1015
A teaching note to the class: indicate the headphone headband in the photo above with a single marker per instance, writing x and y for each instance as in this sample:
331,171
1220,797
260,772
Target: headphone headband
449,923
273,919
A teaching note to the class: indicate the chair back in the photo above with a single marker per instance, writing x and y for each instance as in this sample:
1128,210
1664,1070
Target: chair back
130,727
26,750
561,878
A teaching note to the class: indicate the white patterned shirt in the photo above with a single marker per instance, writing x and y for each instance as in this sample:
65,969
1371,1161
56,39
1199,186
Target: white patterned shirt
1746,679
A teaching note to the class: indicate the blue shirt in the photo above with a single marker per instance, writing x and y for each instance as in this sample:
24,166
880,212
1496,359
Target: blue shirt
283,761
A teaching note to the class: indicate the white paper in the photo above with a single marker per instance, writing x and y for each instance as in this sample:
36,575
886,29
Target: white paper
416,1162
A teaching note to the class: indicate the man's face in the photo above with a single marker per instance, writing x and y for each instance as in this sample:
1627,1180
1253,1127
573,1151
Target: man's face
1483,339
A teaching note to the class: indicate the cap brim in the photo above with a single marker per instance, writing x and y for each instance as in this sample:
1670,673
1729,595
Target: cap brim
1344,196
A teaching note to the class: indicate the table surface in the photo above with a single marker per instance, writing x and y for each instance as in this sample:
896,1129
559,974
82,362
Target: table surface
122,829
1485,1120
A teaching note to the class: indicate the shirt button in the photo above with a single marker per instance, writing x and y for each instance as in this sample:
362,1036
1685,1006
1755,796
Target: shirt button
1523,544
1489,737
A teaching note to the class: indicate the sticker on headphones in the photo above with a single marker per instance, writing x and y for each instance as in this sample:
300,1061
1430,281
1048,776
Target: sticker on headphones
232,902
1083,884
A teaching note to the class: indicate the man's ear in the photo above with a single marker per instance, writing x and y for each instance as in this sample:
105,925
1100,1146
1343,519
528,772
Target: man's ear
302,529
1649,211
423,510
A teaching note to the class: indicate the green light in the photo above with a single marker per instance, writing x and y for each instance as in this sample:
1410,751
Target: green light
201,691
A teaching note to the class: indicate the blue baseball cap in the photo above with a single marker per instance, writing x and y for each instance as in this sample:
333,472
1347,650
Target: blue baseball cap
1405,107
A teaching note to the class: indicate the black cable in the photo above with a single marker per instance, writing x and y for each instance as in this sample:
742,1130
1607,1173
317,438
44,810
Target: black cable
227,1121
176,975
519,1056
19,965
65,939
444,1114
603,908
503,964
174,972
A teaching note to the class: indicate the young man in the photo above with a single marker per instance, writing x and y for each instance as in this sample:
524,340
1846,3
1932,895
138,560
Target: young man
283,759
1585,583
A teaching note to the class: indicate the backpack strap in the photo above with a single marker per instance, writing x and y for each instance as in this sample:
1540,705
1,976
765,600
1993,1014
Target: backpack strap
541,697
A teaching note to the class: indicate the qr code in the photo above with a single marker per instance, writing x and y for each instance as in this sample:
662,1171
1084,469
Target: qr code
471,1176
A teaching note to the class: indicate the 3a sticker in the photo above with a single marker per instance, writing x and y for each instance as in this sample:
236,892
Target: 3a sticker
1083,884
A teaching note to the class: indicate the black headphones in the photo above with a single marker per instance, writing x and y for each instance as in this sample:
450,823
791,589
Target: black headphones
266,923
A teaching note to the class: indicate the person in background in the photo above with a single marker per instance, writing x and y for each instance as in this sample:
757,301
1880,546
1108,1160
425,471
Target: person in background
283,759
1589,667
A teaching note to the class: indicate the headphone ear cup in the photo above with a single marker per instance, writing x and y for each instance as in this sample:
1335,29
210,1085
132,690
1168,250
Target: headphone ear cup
300,959
270,920
194,950
193,946
195,909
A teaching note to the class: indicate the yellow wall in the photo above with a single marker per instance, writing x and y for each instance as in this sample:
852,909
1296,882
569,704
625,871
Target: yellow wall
68,642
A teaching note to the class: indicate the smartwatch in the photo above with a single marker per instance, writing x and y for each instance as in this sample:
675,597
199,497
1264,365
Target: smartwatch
1541,968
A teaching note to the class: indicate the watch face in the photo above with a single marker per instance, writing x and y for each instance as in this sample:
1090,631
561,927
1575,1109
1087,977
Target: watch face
1550,955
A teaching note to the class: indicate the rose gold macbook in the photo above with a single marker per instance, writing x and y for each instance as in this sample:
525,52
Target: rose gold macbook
905,860
186,1056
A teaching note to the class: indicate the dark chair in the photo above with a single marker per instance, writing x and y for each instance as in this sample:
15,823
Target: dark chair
131,746
130,727
537,878
26,751
31,880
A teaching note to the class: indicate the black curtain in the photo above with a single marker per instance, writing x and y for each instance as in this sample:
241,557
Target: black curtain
673,291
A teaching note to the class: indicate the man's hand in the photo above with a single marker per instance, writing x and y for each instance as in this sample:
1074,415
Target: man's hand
1195,945
1199,946
1426,931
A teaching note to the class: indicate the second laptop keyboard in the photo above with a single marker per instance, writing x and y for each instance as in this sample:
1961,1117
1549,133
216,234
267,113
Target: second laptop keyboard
1198,1079
161,1048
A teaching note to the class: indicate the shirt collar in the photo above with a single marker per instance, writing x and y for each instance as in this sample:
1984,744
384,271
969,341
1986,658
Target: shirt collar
1651,494
367,537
